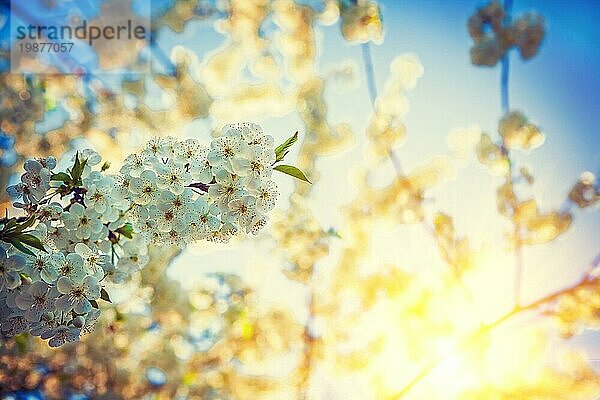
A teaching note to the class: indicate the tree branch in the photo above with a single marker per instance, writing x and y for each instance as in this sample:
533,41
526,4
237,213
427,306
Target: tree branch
585,281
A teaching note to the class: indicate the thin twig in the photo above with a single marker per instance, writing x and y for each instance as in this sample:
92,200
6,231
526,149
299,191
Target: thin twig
372,87
368,62
505,100
160,55
505,63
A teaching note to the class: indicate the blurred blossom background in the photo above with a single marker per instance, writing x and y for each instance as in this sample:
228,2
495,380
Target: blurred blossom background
448,247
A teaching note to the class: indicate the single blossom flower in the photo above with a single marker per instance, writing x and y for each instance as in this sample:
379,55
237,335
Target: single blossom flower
76,295
36,300
83,221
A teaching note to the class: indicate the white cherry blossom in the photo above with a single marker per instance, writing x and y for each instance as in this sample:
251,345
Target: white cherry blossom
76,295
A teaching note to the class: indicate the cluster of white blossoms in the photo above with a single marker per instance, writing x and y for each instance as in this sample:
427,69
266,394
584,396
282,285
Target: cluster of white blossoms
183,191
51,275
85,227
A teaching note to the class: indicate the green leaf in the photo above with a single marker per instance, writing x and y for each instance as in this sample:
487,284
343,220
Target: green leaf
94,304
292,171
10,224
126,230
77,169
283,148
76,166
104,295
61,176
28,222
31,240
19,246
105,166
